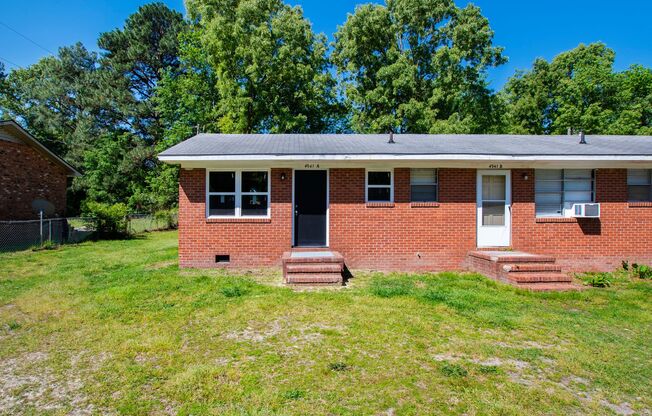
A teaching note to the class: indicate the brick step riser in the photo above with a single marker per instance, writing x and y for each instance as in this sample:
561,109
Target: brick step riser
556,278
548,287
324,278
313,268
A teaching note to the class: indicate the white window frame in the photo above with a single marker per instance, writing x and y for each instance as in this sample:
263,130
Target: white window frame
648,184
435,184
367,186
238,193
565,212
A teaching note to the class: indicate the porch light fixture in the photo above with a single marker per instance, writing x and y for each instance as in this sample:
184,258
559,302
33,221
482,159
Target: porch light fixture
526,176
283,176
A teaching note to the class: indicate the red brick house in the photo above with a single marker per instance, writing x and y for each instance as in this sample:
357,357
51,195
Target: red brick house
29,171
519,208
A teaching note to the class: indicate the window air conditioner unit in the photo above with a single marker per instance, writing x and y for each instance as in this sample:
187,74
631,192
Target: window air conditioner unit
585,211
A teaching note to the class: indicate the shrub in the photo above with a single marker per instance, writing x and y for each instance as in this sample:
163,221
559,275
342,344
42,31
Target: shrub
111,219
597,279
642,271
47,245
166,219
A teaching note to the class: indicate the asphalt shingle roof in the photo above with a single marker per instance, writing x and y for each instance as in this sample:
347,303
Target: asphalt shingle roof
408,144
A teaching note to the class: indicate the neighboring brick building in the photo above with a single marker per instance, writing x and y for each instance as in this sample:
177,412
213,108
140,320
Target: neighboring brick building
420,203
29,171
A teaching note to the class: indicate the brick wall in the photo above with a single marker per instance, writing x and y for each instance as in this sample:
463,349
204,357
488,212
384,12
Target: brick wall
623,231
405,236
25,175
249,242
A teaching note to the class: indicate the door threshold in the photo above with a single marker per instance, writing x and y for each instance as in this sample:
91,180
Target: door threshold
304,248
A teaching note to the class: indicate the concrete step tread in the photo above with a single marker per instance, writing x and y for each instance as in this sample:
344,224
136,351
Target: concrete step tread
300,260
549,277
313,268
511,257
532,267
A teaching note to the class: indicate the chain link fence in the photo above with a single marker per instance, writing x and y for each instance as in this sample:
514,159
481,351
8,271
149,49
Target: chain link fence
140,223
23,235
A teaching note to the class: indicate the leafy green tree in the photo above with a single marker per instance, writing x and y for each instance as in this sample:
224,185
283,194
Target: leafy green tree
270,69
57,100
134,60
187,99
417,66
99,111
116,170
634,98
579,90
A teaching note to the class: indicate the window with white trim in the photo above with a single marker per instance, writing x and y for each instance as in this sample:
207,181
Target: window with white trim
423,185
639,185
556,190
380,186
238,193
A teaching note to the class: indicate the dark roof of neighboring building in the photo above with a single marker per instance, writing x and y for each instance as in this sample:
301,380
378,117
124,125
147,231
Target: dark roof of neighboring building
407,144
14,129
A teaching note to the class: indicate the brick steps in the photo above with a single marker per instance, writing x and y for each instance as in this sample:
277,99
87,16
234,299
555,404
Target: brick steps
523,270
539,277
313,267
313,278
549,287
293,268
532,267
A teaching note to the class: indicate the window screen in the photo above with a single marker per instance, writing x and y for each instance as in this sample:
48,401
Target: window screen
423,185
556,190
639,185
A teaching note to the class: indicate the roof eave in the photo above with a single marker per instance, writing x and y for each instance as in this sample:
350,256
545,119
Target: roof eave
176,159
72,172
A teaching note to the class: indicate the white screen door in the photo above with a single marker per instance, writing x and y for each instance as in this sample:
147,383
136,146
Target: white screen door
493,206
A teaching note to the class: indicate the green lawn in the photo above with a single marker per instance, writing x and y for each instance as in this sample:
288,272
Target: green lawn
116,327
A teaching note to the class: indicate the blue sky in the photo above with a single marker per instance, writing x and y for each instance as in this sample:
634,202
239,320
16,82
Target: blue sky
527,29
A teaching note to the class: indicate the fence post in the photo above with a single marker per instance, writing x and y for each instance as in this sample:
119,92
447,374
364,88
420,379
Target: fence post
40,214
50,230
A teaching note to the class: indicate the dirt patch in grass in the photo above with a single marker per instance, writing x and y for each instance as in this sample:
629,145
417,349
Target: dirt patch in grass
28,385
291,335
522,372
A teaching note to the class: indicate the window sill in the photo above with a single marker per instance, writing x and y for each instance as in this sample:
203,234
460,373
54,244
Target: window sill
238,220
555,219
380,205
424,204
640,205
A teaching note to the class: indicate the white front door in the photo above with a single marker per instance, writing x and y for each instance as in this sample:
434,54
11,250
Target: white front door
494,208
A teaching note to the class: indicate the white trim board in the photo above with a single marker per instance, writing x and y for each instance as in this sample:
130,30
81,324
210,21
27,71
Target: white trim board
430,157
436,162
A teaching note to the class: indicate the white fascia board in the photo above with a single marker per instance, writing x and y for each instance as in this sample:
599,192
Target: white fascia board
385,157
